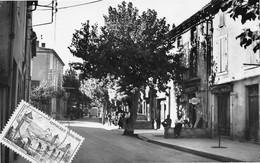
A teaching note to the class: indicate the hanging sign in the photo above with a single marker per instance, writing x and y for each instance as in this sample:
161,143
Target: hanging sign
194,101
39,138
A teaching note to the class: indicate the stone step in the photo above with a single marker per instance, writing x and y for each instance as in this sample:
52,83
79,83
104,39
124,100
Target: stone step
141,117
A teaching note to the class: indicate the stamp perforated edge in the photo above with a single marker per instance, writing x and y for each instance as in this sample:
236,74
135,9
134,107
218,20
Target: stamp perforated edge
12,118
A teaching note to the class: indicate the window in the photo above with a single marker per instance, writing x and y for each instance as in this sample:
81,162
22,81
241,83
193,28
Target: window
222,19
51,61
251,57
222,54
179,42
193,53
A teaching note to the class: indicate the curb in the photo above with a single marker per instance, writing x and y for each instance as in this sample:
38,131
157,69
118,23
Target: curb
192,151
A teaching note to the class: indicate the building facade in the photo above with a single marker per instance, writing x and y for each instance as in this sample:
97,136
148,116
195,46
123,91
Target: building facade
235,93
16,50
221,85
193,45
47,67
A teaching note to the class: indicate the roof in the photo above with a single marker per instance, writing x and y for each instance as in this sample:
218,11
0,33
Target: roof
199,17
44,50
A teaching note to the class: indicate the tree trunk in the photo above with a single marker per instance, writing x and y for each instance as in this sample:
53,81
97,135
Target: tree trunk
152,104
104,112
133,107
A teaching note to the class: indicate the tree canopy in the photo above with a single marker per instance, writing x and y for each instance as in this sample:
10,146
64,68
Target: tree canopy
42,93
96,90
71,84
130,47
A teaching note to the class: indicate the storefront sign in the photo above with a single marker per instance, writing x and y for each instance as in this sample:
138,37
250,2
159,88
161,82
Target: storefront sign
221,89
191,89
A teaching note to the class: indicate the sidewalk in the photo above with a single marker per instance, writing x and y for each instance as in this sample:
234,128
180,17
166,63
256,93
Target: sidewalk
230,151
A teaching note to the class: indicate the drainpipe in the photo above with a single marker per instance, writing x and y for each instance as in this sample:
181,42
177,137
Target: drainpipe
169,109
209,55
231,117
25,62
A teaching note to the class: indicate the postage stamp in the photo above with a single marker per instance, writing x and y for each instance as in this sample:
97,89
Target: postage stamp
39,138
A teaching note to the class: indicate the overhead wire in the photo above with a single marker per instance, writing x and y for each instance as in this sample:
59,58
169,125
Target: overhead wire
66,7
82,4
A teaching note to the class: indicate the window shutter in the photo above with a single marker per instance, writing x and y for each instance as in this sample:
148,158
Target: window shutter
222,21
225,54
217,58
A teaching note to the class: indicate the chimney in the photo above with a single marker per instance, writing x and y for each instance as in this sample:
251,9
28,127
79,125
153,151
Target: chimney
43,45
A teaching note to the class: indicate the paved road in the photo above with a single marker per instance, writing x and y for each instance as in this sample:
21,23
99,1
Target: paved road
110,146
104,145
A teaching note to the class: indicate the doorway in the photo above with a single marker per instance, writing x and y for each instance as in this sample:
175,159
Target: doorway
253,112
224,114
160,112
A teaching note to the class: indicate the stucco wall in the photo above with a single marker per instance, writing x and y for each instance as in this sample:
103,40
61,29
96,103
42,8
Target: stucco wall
237,73
40,67
240,106
237,55
5,24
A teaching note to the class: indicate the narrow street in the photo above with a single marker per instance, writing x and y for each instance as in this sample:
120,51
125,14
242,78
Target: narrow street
106,145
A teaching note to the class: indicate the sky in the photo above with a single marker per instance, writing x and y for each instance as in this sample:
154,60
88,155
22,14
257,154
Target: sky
58,34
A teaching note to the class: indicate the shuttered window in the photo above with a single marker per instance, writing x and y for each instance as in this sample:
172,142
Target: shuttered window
222,57
222,19
251,57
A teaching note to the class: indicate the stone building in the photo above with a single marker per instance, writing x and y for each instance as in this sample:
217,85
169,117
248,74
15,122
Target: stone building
235,93
47,67
224,89
16,50
193,101
193,39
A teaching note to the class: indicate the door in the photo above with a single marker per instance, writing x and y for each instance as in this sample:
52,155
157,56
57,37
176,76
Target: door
160,114
253,107
224,114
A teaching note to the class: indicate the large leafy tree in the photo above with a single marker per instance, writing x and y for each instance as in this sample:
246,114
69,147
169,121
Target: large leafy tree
97,91
247,10
40,95
130,48
71,84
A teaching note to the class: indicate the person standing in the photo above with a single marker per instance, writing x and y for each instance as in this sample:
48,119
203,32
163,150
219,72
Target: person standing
109,119
167,122
178,126
167,125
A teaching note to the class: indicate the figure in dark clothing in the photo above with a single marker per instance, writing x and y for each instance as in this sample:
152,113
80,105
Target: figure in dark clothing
121,120
167,122
109,119
178,127
167,125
